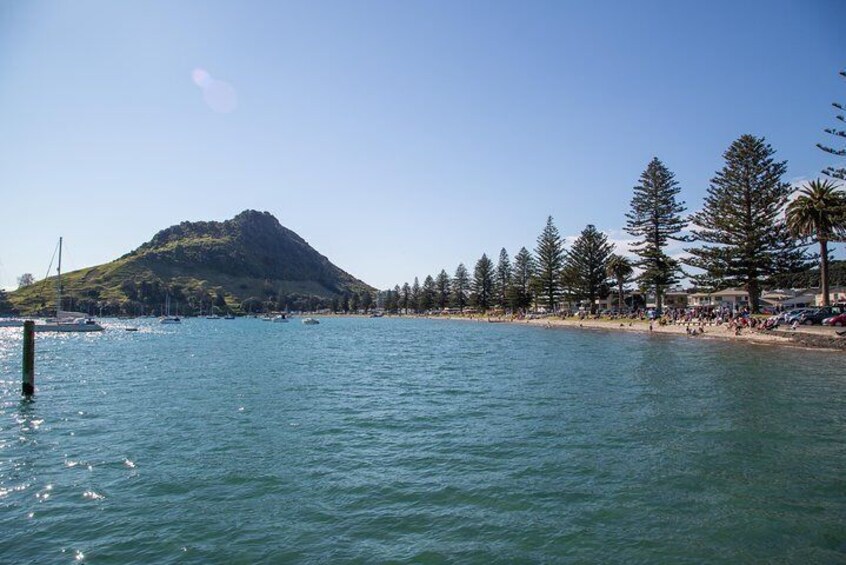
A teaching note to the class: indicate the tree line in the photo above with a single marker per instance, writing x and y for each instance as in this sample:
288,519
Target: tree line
748,233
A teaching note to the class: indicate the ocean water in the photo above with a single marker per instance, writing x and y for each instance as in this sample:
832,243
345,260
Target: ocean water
426,441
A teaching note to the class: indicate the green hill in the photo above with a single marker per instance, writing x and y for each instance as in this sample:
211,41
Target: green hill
250,262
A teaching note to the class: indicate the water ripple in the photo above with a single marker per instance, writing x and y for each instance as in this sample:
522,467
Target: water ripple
414,440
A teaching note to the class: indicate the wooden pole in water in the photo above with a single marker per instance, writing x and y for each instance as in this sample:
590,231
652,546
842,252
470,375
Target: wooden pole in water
28,382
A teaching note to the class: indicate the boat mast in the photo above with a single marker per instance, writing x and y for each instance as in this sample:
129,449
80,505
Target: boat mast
59,283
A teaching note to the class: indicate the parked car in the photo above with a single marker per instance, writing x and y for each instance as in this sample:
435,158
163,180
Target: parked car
794,315
836,320
817,316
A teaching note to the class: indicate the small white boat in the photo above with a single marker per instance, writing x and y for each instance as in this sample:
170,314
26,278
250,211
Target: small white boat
280,319
229,317
66,321
311,321
69,325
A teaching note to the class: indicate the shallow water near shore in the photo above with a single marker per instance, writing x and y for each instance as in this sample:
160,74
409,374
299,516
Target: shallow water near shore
427,440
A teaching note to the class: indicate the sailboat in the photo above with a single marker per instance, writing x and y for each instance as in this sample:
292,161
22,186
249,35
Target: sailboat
66,321
167,318
212,315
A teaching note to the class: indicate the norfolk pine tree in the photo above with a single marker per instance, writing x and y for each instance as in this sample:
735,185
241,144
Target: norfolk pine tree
520,293
415,296
743,234
427,294
483,283
550,260
460,286
442,283
503,279
835,171
585,265
655,218
405,298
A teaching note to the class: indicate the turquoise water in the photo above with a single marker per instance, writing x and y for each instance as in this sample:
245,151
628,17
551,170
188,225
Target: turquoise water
415,440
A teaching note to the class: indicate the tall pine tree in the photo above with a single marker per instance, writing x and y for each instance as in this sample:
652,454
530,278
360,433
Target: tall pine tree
442,284
502,279
585,266
837,172
460,287
427,294
520,293
415,296
483,283
654,219
550,260
743,236
405,298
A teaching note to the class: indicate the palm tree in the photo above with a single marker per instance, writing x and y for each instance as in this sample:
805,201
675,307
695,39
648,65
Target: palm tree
620,269
819,212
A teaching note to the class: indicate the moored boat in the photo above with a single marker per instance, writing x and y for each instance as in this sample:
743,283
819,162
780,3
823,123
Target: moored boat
69,325
66,321
167,318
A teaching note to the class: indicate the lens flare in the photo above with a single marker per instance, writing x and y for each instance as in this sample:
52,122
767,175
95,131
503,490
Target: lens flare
218,95
201,77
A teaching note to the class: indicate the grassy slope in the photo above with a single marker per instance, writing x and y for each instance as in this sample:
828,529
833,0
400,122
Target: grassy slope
174,262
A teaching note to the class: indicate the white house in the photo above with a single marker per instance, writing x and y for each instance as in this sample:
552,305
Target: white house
835,294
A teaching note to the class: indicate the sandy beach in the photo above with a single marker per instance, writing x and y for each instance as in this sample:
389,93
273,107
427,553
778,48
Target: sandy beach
817,337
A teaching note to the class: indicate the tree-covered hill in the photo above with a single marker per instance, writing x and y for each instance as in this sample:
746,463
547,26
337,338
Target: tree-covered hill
250,262
810,278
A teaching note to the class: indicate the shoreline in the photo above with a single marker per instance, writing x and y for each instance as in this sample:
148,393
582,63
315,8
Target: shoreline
814,337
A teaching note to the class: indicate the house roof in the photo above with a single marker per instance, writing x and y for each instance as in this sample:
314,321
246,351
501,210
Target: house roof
731,292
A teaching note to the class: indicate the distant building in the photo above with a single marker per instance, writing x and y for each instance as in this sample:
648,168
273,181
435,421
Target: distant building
737,299
675,298
732,298
700,300
788,299
835,294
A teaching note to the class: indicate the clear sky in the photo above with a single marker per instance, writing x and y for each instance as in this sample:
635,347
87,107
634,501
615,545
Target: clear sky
397,138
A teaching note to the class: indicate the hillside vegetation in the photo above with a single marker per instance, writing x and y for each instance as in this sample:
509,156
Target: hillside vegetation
248,263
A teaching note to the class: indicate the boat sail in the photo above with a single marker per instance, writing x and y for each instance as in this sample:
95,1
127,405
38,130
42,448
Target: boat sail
167,318
66,321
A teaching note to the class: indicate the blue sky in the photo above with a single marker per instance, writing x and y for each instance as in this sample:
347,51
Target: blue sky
397,138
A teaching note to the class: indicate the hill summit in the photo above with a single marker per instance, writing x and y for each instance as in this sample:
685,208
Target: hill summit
250,262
